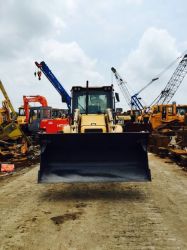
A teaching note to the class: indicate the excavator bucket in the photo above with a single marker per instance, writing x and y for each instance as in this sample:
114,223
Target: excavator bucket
94,157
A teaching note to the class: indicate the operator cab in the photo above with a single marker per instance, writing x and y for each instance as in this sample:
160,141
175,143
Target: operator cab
92,100
21,119
37,114
21,111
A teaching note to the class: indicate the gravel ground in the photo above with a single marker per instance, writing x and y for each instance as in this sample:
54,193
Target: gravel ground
95,216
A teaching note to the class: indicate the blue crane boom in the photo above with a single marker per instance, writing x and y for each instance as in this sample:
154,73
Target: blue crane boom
57,85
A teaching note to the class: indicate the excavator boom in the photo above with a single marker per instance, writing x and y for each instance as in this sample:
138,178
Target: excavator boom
37,98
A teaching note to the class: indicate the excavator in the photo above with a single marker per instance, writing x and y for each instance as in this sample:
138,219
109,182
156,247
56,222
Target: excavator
24,119
33,115
37,98
9,129
93,148
40,118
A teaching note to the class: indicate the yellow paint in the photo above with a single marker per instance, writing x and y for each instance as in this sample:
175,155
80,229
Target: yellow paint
21,119
93,121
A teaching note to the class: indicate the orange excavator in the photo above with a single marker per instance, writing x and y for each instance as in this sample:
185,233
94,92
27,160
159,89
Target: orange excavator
37,98
41,118
34,115
24,111
24,120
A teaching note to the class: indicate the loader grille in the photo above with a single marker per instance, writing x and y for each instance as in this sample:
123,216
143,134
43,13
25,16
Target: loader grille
93,130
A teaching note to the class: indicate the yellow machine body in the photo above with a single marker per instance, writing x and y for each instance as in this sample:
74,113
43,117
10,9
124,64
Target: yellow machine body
164,113
21,120
93,148
10,131
93,123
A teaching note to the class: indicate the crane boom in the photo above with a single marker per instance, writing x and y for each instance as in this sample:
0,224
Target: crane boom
133,101
173,84
123,87
7,99
57,85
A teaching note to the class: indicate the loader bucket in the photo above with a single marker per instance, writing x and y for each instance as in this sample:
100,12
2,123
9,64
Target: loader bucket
94,157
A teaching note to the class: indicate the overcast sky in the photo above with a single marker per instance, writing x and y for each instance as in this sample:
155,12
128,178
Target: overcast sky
81,40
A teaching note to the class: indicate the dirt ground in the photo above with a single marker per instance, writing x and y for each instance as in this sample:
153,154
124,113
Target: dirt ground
95,216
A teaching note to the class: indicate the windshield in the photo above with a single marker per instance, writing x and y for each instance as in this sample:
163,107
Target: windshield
45,113
59,113
40,113
181,110
98,101
21,112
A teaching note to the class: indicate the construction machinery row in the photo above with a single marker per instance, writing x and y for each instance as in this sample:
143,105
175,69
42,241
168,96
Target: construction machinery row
93,140
166,121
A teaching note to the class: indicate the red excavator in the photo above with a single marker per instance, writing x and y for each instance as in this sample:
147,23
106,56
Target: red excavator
36,98
41,118
59,119
24,111
29,118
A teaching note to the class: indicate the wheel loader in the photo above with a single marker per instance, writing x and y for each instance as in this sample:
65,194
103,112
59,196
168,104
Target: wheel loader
93,147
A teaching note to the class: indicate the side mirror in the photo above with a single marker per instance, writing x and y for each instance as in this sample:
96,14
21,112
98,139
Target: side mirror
117,97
